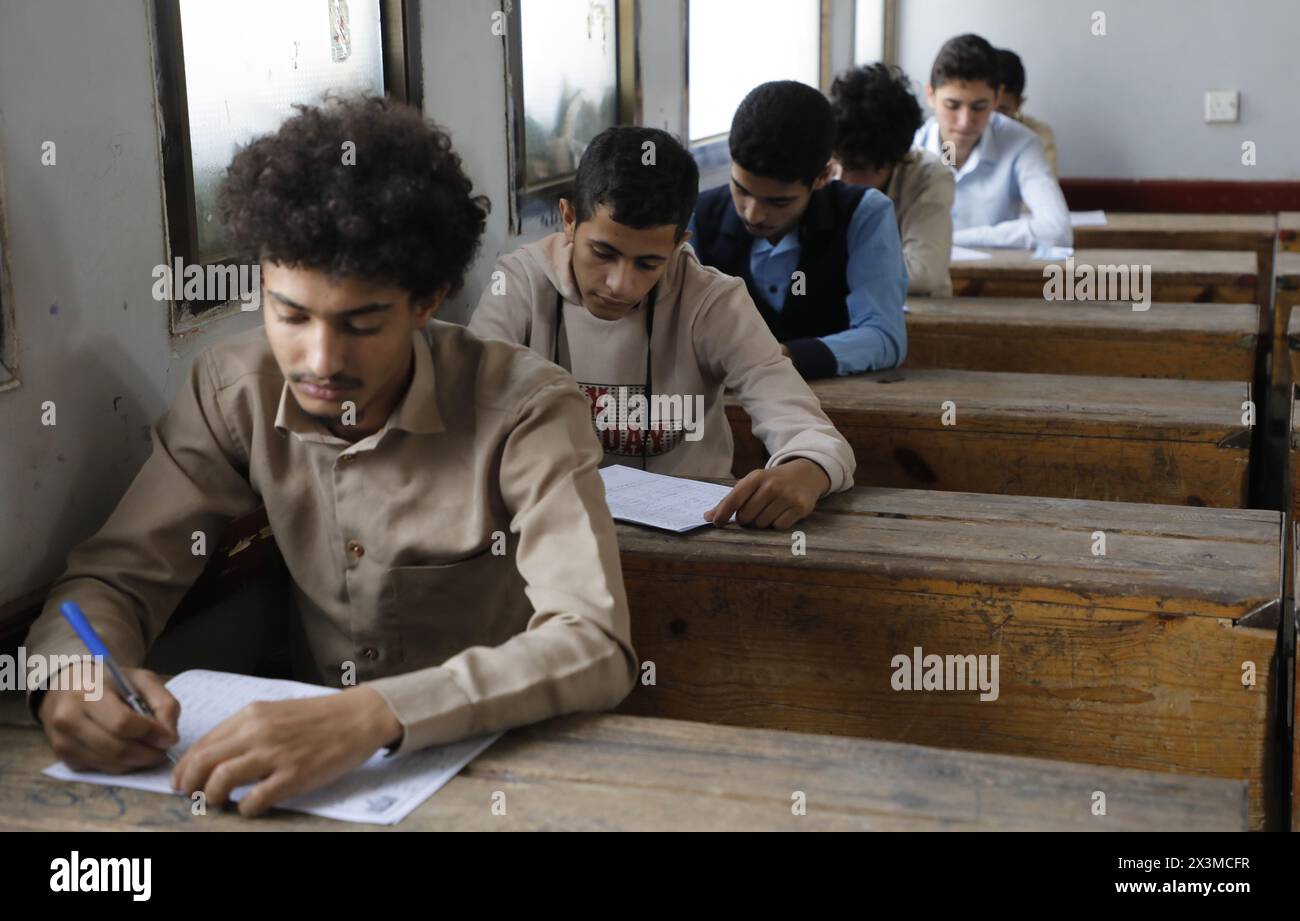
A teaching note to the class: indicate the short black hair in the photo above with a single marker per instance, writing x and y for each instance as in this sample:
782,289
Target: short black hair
783,130
617,170
968,58
401,212
876,116
1011,72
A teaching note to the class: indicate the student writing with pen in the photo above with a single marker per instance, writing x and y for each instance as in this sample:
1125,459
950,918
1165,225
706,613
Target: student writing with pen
392,453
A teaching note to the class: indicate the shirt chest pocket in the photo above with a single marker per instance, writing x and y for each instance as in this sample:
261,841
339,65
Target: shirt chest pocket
435,612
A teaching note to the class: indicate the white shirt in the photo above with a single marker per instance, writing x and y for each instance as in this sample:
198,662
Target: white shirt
1006,169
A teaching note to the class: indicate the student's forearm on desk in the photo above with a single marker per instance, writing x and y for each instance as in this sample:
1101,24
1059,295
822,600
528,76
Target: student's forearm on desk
567,665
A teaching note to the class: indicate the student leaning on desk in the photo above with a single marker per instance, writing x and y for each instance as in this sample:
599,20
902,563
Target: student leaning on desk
392,452
998,163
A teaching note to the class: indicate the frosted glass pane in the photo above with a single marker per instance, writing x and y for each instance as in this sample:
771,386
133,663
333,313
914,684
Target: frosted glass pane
248,61
869,32
570,62
737,44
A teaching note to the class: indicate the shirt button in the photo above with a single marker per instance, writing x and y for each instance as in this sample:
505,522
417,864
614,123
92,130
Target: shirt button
355,548
346,458
772,288
370,652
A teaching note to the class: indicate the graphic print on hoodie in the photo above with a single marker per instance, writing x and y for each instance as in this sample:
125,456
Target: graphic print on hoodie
615,389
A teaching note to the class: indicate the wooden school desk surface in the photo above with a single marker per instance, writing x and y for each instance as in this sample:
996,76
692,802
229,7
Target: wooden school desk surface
1112,438
1286,297
1215,232
1288,231
1176,275
1188,341
1130,659
618,773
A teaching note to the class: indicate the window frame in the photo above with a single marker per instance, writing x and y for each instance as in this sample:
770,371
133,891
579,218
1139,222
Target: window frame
713,152
399,28
888,32
536,208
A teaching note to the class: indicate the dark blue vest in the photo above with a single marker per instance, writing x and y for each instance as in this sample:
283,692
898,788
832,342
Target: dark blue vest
822,308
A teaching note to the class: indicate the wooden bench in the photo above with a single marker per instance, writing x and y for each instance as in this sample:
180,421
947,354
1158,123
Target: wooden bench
1285,298
1131,659
1288,231
1123,439
617,773
1213,232
1177,276
1189,341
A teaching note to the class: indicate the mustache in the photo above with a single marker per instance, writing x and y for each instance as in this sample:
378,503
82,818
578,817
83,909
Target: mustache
334,383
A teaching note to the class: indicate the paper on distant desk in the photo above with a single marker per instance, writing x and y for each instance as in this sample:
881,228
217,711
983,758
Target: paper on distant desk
383,791
1087,218
668,502
1050,253
962,254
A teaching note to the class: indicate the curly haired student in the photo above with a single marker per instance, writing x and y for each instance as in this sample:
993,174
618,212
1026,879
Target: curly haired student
394,454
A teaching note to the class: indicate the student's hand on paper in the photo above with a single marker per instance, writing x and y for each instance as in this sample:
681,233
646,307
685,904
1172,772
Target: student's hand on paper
105,734
291,746
777,497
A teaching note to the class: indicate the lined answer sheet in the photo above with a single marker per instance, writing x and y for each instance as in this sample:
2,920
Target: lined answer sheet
668,502
383,791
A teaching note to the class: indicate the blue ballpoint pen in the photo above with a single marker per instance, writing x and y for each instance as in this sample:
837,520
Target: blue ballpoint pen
73,614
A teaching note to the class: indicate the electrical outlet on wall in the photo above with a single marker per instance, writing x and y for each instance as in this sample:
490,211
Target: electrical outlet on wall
1221,105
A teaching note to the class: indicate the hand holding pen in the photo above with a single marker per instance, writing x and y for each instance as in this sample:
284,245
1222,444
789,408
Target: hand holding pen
116,732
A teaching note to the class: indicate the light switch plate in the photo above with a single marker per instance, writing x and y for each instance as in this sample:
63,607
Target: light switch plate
1221,105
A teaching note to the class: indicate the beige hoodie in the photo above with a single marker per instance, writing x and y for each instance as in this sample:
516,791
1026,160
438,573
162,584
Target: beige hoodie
707,335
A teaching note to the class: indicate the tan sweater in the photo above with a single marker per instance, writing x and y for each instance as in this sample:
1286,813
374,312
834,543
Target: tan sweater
1045,136
922,190
707,335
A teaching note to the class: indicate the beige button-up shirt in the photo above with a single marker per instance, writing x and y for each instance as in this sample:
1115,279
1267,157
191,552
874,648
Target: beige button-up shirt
461,560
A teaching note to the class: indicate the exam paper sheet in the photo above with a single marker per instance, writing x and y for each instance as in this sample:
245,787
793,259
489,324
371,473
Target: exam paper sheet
668,502
383,791
965,254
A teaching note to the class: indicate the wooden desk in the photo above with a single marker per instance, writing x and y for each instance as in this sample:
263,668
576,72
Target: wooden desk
1177,276
1214,232
617,773
1133,659
1288,231
1188,341
1285,299
1121,439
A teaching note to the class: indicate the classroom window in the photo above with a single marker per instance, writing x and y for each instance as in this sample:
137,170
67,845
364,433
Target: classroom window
567,70
233,70
734,45
870,18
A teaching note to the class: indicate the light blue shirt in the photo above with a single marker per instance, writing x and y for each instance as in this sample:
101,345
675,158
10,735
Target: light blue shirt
877,282
1007,169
